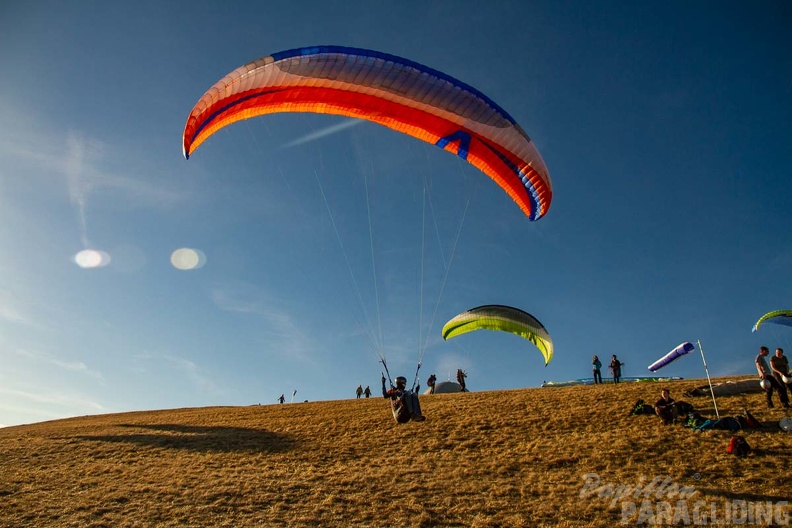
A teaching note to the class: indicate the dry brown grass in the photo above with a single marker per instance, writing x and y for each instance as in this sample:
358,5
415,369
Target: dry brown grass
507,458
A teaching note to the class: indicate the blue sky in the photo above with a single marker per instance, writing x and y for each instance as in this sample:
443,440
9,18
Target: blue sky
665,128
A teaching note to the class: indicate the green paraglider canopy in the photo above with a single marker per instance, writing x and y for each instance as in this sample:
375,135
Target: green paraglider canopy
503,319
782,317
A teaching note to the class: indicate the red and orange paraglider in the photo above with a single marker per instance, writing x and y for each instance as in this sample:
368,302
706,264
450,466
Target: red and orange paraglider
395,92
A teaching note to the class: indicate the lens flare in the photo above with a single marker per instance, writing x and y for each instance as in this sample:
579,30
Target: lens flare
188,259
92,258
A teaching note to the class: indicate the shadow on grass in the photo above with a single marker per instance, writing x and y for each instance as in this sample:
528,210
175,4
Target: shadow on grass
750,497
199,438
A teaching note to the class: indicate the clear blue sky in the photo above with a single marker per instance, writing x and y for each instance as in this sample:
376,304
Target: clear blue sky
665,128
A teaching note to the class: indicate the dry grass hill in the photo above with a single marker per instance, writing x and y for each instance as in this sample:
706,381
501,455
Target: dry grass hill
506,458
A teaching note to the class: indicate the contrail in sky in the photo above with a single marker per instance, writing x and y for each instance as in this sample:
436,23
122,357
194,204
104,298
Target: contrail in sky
79,185
333,129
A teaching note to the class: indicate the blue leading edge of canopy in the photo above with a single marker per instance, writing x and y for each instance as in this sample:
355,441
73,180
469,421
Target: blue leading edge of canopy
464,146
313,50
533,196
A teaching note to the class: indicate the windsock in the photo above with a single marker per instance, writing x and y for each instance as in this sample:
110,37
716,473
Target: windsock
679,351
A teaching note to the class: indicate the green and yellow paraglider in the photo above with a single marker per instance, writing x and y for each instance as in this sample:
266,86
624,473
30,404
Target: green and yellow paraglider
502,319
782,317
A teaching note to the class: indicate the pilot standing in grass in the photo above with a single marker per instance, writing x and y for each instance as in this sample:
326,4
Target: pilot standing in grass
780,366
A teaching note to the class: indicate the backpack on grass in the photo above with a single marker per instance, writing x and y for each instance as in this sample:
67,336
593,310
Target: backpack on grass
641,407
694,420
738,446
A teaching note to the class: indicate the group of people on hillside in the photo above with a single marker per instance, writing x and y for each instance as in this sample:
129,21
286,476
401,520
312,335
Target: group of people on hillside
615,368
774,376
360,391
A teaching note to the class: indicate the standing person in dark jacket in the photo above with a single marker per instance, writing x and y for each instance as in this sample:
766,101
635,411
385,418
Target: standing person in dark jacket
615,367
597,366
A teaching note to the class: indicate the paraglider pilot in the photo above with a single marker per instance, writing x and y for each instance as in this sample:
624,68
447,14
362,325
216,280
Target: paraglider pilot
461,375
404,402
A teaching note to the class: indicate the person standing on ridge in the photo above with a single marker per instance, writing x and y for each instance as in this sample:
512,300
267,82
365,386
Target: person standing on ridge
461,375
597,366
431,380
359,391
615,367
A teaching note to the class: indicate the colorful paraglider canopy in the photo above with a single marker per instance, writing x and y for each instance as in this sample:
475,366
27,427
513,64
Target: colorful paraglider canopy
395,92
675,354
503,319
782,317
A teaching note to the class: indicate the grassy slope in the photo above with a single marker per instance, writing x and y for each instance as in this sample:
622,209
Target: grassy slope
507,458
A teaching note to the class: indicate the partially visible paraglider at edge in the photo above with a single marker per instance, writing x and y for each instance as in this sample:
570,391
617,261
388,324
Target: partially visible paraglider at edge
675,354
782,317
395,92
504,319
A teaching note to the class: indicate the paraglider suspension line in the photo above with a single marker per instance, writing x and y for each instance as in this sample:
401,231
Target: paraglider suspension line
415,380
382,360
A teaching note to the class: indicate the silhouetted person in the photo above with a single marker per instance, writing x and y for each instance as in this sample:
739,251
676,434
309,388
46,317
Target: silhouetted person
615,367
461,375
596,365
430,381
